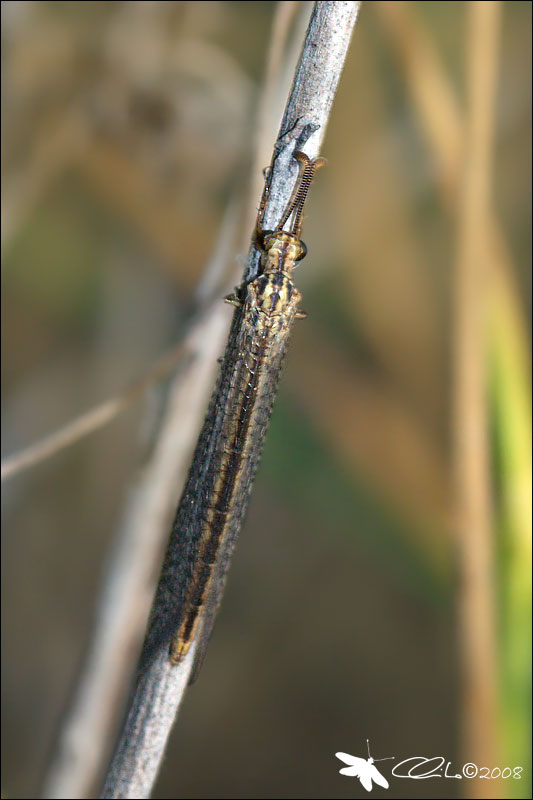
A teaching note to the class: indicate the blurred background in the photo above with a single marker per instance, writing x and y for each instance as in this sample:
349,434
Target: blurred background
128,129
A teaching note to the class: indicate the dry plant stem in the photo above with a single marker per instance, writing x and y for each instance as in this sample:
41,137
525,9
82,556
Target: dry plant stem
105,412
282,56
100,691
442,123
127,587
440,118
471,450
306,114
92,420
158,692
85,737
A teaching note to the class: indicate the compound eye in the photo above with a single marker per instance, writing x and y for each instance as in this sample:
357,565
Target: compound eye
265,240
302,251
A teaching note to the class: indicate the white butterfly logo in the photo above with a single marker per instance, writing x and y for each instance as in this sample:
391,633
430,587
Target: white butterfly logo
364,769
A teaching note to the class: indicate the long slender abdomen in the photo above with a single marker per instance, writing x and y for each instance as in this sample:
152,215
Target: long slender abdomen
262,345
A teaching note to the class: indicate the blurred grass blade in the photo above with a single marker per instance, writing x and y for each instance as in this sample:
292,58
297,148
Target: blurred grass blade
511,418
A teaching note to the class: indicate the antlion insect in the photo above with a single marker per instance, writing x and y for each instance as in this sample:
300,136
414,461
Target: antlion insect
216,494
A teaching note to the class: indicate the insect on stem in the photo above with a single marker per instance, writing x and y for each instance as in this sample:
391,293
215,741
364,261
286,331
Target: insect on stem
216,494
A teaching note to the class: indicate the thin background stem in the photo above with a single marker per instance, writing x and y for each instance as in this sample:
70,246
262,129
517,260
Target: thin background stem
507,338
120,620
91,420
471,448
121,614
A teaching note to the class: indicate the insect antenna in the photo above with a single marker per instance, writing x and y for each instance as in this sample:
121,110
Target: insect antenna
299,194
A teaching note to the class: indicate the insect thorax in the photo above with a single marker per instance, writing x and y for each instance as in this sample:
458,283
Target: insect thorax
273,295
